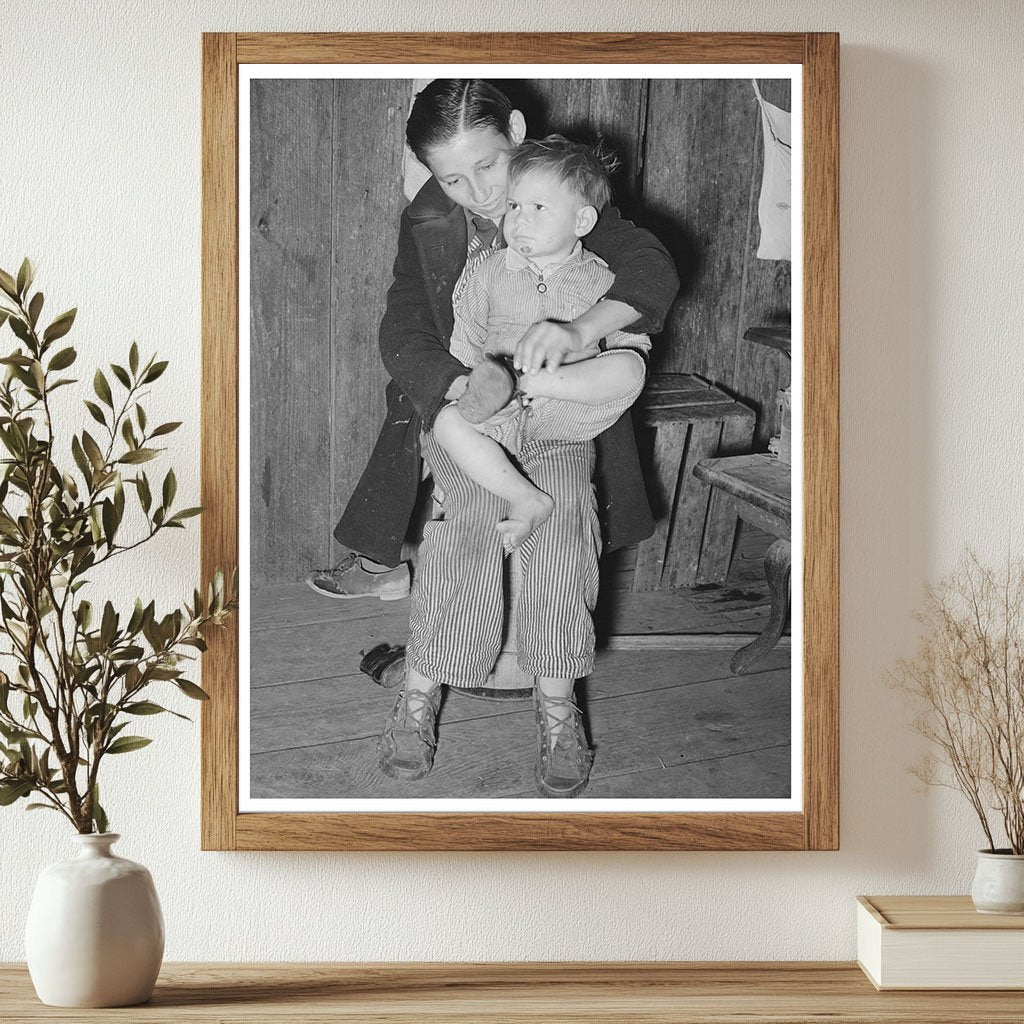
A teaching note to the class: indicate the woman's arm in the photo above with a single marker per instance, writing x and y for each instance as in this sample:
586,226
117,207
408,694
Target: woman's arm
645,276
415,357
549,343
638,301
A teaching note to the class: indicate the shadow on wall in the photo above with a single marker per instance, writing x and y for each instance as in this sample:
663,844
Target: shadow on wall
664,220
888,421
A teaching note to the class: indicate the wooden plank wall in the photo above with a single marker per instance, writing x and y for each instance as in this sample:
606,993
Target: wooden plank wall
326,169
702,179
369,118
290,299
759,372
613,109
326,164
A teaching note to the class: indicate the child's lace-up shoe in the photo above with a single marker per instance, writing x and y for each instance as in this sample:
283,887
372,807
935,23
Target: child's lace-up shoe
563,757
409,739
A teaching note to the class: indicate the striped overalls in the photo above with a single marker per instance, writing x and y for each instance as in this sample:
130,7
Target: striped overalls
458,598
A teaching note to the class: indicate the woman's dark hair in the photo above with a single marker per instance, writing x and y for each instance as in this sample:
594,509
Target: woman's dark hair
449,106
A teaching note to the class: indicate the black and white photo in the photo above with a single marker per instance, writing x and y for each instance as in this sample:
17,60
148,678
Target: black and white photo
520,421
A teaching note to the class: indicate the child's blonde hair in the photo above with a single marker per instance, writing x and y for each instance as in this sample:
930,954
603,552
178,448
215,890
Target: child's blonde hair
585,169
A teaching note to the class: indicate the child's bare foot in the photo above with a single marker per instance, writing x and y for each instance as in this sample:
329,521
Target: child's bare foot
489,389
524,517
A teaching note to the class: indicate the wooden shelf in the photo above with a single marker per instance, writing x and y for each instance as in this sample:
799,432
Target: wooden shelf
657,993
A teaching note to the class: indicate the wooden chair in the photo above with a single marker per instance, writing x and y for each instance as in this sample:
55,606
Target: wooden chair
757,489
692,420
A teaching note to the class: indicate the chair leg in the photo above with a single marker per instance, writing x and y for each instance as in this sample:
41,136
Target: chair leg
776,569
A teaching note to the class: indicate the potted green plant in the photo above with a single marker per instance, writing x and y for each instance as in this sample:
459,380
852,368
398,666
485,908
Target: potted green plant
75,671
967,682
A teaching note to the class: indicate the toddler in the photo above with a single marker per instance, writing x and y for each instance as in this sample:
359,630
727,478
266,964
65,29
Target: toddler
556,190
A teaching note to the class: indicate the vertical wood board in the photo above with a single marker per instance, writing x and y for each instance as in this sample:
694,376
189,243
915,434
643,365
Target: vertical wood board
686,529
611,108
697,171
821,441
766,299
722,521
291,326
219,431
667,461
366,201
761,372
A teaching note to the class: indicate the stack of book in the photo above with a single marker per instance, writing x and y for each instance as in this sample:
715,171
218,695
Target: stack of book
938,942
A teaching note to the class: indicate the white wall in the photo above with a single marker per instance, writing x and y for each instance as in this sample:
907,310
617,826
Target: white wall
100,183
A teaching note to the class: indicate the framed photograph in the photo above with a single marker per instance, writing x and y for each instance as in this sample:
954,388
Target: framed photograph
520,419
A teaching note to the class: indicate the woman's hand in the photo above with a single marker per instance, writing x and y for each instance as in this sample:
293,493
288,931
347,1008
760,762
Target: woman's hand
546,345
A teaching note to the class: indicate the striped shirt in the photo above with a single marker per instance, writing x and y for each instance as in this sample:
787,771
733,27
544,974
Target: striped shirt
504,295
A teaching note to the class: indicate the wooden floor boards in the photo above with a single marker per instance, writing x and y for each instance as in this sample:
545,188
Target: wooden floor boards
664,724
318,738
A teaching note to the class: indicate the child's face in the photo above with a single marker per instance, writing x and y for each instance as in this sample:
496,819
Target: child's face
545,216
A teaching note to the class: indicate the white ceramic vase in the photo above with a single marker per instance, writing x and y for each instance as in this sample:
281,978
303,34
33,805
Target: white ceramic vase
95,933
999,883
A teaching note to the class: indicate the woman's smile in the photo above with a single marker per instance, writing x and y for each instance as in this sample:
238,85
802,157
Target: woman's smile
472,169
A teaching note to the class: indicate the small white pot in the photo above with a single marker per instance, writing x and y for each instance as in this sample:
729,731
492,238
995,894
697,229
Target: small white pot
95,933
999,883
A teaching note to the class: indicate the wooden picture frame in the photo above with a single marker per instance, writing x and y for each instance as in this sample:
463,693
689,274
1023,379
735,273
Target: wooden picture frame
816,826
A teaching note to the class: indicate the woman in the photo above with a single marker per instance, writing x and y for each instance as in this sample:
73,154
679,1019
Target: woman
464,131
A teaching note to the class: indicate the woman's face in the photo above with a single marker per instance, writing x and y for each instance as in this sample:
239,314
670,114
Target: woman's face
472,169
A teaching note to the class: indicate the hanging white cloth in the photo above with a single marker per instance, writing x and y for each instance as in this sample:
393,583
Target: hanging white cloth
774,205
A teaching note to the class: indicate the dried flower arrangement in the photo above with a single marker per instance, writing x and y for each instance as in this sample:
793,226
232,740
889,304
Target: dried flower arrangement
967,679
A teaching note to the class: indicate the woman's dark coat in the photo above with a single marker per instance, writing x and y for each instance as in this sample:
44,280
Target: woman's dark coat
414,338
